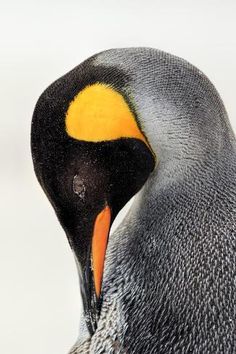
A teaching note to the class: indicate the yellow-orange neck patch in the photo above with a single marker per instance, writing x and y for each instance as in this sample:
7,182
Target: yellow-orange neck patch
100,113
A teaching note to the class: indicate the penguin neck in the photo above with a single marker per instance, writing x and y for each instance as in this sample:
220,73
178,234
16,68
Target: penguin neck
186,166
186,153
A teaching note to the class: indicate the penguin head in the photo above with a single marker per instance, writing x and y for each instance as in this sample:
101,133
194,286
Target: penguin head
90,155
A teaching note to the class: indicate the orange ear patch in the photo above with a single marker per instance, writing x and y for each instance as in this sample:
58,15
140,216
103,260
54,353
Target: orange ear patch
99,245
100,113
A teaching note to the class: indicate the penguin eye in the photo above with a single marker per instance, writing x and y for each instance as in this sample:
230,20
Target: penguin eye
79,187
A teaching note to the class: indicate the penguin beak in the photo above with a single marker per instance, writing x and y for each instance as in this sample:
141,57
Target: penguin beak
91,272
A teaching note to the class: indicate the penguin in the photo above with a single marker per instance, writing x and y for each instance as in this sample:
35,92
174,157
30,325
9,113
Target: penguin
142,122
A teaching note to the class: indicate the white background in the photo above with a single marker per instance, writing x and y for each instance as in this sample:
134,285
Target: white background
40,41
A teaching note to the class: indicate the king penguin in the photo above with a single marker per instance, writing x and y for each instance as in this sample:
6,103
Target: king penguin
139,121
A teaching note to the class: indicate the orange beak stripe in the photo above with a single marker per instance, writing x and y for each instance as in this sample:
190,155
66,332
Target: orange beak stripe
99,245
